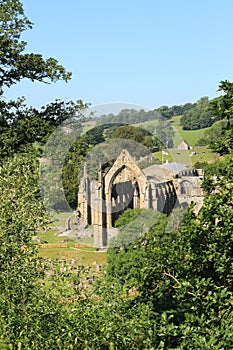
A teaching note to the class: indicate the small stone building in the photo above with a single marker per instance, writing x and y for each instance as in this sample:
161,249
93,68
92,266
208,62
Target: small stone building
184,145
125,185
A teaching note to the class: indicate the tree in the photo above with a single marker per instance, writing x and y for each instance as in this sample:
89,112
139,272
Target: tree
71,171
127,254
165,112
165,133
187,274
21,214
199,116
22,126
15,64
223,106
223,109
130,132
136,134
19,124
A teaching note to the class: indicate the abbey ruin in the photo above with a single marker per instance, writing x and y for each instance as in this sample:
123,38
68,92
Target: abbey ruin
125,185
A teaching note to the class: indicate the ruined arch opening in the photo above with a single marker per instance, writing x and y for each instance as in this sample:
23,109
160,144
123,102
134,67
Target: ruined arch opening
125,193
185,188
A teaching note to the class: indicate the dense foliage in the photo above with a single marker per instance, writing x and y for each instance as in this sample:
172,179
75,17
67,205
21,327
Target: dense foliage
199,116
22,127
139,135
186,274
15,64
168,283
133,116
128,116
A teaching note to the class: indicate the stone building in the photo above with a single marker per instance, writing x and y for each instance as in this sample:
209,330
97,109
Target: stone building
184,145
125,185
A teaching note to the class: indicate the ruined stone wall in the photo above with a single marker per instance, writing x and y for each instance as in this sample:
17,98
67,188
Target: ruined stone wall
101,201
189,190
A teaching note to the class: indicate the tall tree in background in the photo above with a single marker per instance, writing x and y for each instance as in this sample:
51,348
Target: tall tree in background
199,116
223,109
223,105
15,64
21,126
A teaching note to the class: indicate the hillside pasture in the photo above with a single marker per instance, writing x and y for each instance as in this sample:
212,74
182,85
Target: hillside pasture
203,154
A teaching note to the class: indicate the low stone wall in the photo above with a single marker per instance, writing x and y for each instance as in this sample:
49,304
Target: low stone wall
53,245
83,245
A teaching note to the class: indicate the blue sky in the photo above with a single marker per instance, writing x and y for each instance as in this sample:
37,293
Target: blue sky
149,53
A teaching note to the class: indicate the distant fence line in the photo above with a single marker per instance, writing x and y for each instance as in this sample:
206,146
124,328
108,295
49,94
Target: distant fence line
53,245
63,245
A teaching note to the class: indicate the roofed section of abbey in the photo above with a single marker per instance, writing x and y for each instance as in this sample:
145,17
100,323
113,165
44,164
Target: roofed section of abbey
125,185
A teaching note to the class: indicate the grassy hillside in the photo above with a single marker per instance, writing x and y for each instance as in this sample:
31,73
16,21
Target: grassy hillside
191,136
83,255
203,154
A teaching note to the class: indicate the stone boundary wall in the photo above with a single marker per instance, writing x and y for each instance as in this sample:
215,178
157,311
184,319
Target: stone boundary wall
53,245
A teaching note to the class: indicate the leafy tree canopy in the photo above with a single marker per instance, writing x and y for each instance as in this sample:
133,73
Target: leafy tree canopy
222,108
15,63
199,116
22,126
137,134
186,274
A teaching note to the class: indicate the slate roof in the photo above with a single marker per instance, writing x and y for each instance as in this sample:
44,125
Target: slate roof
157,172
174,167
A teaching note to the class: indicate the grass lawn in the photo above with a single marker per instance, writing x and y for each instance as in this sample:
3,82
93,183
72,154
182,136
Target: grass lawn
50,237
60,219
83,256
191,136
204,154
86,240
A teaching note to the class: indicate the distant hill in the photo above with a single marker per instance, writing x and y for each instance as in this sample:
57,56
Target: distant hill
191,136
165,124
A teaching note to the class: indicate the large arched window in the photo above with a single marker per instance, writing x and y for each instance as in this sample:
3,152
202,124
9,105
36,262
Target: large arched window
124,193
186,188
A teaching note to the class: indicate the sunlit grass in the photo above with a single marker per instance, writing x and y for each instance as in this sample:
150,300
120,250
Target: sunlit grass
191,136
83,256
203,154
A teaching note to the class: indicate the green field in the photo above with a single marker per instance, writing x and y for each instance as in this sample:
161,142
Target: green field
81,256
191,136
84,255
203,154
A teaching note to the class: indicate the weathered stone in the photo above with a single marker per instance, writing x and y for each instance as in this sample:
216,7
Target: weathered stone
125,185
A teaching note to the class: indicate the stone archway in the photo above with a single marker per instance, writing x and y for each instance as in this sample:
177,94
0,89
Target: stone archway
124,184
185,188
125,194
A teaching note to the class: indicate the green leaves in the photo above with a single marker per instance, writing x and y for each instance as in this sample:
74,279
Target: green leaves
22,126
199,116
222,108
187,275
14,63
